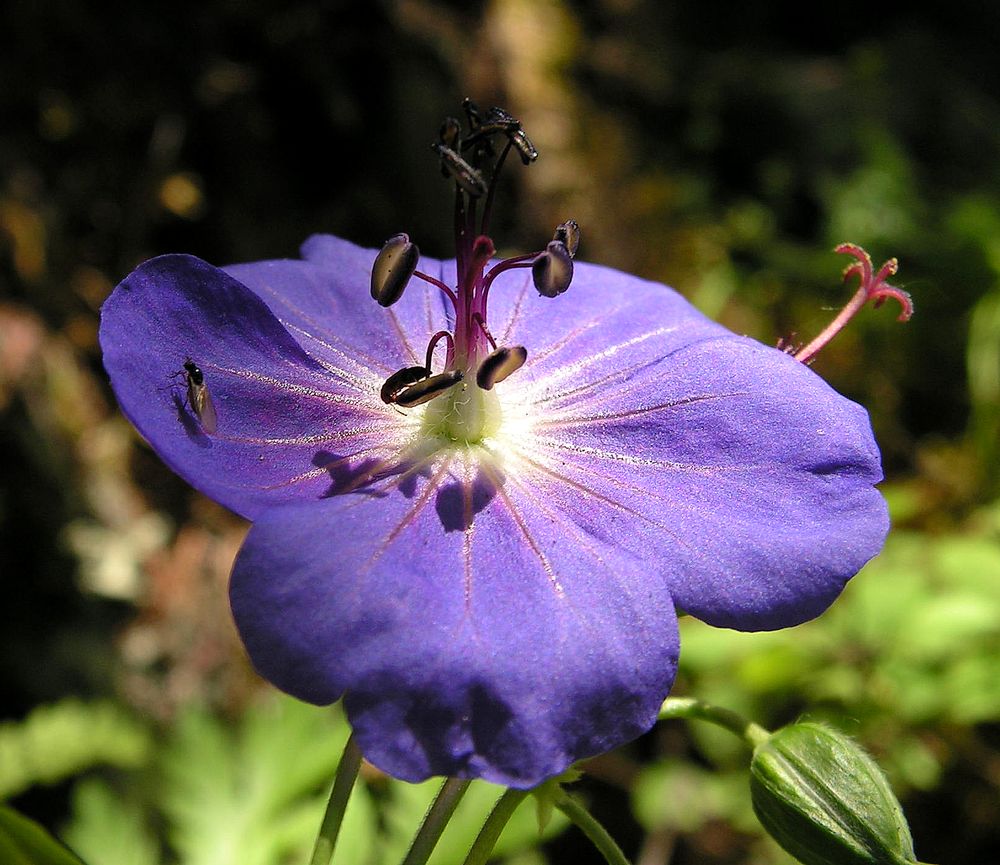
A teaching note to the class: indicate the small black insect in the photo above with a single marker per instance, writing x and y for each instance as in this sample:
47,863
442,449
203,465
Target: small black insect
198,397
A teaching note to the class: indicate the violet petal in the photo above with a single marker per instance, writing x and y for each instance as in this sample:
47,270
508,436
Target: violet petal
285,420
750,479
475,630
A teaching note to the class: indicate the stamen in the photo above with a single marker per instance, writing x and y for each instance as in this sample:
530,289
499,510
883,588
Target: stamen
467,177
525,149
451,129
426,390
496,122
511,127
569,234
500,364
479,320
400,380
393,267
436,282
552,271
441,334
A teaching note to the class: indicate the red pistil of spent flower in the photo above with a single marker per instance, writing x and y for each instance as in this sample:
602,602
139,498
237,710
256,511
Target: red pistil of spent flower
873,287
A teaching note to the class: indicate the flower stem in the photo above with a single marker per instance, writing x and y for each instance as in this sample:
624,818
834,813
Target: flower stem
435,820
590,827
687,707
343,783
486,840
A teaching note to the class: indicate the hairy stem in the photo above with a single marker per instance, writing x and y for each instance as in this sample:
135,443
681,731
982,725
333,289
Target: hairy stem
486,840
343,783
687,707
435,820
590,827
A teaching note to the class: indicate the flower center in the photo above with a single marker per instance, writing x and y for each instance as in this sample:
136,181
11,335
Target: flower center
465,414
463,407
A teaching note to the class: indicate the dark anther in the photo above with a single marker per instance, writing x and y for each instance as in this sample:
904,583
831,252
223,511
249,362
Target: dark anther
393,268
400,380
426,390
464,174
451,129
569,234
552,271
479,136
525,149
498,121
472,113
499,364
512,128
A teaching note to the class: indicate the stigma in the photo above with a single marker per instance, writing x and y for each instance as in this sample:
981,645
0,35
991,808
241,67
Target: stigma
456,384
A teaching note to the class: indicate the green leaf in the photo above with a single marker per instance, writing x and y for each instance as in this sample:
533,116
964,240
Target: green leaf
24,842
255,795
65,738
108,830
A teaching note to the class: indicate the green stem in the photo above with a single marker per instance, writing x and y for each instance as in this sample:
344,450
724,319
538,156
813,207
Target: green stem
435,820
588,824
343,783
486,840
687,707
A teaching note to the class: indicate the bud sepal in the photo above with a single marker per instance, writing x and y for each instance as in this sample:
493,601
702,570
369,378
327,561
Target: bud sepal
825,801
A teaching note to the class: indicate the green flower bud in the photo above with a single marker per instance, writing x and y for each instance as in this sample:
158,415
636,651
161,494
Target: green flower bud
825,801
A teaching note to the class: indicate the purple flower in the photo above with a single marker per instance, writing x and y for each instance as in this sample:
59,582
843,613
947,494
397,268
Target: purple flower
489,578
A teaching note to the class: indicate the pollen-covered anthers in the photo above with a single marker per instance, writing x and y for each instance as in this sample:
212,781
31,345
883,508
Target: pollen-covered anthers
429,388
474,161
400,380
499,364
495,121
454,166
872,287
552,271
393,267
568,233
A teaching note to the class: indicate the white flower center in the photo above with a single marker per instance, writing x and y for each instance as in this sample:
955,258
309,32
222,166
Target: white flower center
466,414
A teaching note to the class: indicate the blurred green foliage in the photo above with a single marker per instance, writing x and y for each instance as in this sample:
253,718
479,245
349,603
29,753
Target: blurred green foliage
253,793
59,740
24,842
722,148
906,661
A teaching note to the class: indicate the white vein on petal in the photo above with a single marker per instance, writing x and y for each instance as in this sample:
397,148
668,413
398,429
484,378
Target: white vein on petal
581,487
574,369
284,301
585,541
350,353
302,390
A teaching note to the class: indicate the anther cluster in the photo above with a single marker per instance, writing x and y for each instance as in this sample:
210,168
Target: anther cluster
472,157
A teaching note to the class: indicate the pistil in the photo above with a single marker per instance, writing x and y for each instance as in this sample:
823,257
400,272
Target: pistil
872,287
462,404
